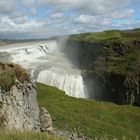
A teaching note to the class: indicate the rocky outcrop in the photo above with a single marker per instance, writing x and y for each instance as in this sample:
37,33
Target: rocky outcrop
45,120
19,109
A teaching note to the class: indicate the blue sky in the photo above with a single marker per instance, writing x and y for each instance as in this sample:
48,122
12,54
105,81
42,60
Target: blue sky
21,19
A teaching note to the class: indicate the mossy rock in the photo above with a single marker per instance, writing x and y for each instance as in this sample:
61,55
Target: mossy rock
9,73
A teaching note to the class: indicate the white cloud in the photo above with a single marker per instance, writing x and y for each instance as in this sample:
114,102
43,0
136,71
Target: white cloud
7,6
106,21
16,14
21,20
38,18
57,15
28,3
33,11
92,6
85,19
123,14
7,24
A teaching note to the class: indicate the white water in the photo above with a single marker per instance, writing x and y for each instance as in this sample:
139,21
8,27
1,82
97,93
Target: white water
48,65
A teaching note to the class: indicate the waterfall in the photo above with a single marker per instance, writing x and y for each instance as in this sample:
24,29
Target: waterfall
72,84
49,65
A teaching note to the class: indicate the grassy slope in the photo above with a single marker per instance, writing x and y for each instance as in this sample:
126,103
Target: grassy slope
90,117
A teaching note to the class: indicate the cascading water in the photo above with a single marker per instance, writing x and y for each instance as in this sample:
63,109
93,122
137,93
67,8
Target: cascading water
48,65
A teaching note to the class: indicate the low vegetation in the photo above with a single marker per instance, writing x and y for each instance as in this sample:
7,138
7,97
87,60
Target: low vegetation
9,73
27,136
94,119
97,36
126,36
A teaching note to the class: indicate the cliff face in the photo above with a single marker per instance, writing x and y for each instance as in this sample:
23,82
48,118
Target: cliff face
18,105
110,62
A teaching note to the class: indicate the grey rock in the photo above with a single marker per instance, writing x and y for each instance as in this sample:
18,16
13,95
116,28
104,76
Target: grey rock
19,109
45,120
70,135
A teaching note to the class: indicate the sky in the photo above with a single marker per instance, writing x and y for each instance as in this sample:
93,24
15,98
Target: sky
35,19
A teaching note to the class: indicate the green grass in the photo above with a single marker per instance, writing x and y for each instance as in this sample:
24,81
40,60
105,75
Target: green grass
95,119
95,36
27,136
109,35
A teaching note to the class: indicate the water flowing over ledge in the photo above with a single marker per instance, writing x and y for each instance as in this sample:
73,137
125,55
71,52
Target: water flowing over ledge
49,65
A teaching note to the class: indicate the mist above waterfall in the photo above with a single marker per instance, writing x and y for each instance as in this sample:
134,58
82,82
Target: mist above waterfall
48,64
70,50
83,54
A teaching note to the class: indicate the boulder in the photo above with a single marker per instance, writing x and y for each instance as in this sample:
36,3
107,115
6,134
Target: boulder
45,120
